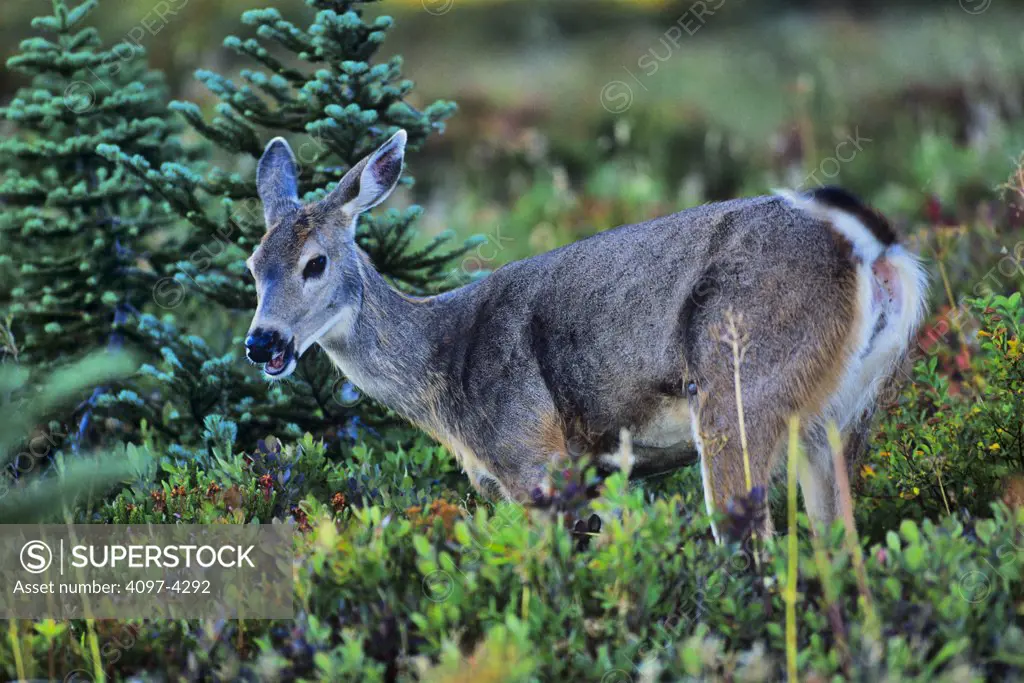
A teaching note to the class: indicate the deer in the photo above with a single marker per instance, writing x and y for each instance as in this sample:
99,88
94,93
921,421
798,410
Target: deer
618,335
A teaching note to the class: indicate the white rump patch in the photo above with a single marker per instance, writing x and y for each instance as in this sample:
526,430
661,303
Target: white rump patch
891,298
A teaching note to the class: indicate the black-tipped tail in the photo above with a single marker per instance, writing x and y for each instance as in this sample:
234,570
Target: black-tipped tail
838,198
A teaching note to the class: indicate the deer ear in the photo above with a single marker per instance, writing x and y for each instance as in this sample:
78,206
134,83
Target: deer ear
380,175
277,181
369,182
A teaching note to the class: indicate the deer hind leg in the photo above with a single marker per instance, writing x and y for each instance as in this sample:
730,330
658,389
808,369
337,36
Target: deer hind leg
717,436
776,382
818,482
818,478
889,292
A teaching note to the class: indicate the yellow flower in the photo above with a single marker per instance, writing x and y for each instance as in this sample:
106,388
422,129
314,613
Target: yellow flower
908,495
884,454
867,471
994,447
983,333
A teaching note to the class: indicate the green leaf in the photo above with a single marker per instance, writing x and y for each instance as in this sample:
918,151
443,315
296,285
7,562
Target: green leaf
909,531
914,557
423,546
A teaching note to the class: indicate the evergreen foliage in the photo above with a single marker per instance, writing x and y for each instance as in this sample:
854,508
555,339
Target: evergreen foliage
75,226
26,399
319,86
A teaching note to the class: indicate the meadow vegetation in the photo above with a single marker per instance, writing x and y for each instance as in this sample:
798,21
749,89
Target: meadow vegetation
402,572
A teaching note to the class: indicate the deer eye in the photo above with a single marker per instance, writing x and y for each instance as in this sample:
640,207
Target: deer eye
314,267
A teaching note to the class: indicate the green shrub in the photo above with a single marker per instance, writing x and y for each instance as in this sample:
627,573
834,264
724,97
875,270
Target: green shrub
504,594
950,445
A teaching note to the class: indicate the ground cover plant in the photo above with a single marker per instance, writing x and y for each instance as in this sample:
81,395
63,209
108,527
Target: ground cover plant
126,220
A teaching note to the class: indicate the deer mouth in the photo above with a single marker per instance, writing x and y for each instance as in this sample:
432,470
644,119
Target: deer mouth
282,362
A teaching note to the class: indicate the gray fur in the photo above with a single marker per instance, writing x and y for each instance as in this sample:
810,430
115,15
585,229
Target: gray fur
550,357
277,181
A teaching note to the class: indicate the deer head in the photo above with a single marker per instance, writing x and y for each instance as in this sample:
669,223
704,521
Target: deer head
307,266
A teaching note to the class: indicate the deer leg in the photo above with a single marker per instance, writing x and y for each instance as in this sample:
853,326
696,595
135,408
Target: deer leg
774,385
817,470
517,479
488,486
722,460
818,479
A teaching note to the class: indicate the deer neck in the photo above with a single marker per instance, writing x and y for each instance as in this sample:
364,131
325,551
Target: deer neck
384,343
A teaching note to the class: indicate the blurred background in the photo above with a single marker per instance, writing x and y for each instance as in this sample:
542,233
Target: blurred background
579,115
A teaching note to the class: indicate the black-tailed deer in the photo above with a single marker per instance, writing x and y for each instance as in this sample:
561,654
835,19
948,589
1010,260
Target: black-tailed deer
553,356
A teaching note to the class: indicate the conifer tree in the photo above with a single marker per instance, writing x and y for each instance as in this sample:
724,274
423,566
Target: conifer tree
74,226
319,87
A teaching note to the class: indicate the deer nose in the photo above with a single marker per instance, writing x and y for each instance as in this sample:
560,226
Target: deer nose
261,345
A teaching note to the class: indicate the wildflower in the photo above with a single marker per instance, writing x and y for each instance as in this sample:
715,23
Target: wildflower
301,519
994,447
267,484
907,495
867,471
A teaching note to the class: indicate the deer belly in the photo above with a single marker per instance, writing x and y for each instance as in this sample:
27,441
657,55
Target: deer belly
670,426
664,442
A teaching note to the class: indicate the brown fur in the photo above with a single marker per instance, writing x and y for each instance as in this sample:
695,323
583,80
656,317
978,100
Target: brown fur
558,355
549,436
812,373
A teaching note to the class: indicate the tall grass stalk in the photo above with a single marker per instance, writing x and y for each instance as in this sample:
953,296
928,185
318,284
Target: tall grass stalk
954,319
793,553
625,452
942,489
19,661
805,121
851,540
737,340
90,623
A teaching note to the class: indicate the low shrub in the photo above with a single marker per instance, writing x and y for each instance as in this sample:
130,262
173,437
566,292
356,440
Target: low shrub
440,591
